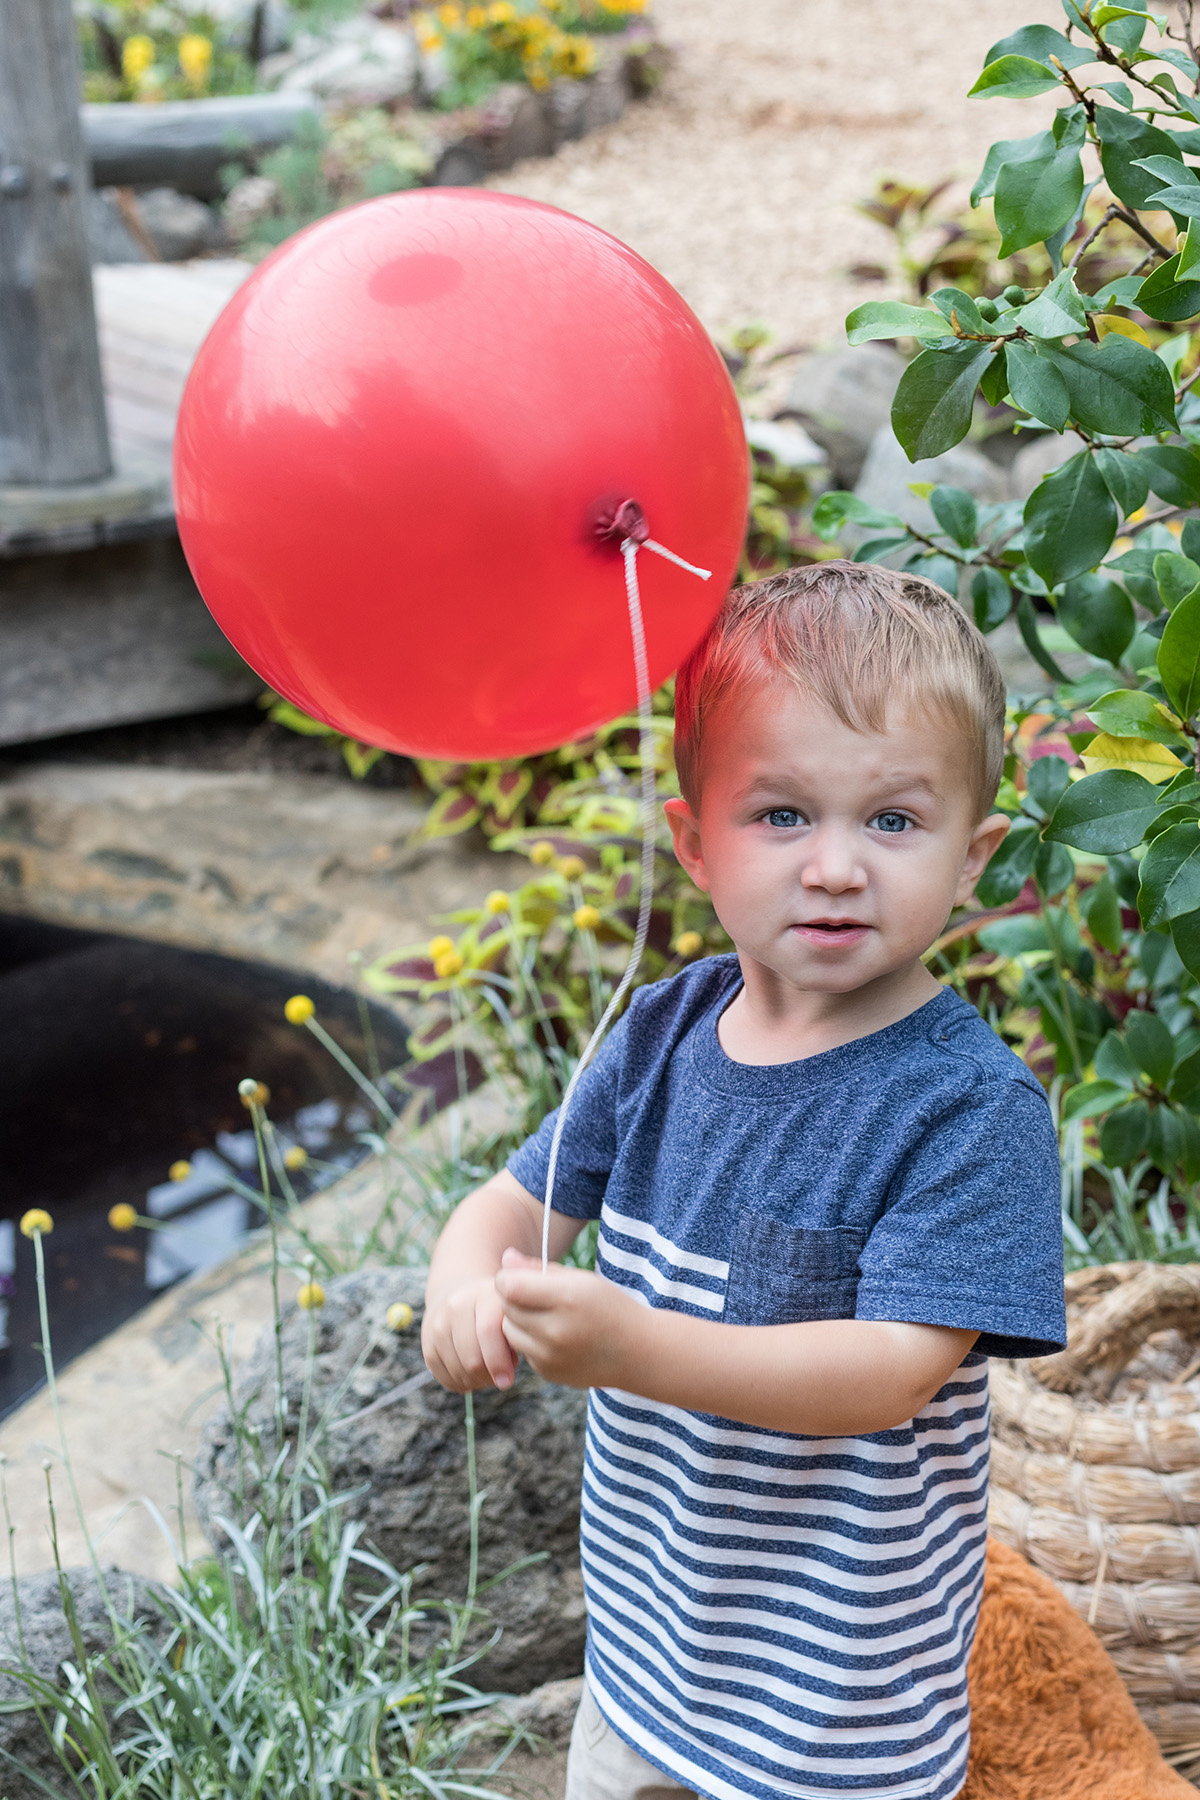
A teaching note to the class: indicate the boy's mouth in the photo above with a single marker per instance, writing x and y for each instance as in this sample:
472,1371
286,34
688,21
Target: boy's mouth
831,931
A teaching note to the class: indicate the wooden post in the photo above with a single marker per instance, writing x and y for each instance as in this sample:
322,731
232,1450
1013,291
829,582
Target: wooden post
52,421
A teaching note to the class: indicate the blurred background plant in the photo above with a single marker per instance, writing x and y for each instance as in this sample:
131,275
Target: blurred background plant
161,50
331,162
484,45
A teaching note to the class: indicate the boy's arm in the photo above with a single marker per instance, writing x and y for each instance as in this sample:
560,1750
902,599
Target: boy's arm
461,1335
824,1378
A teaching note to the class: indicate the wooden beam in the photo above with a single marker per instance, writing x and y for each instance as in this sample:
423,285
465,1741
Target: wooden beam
52,421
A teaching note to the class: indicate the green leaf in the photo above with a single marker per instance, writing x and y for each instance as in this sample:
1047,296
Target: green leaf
1047,781
1017,936
1101,909
1090,1099
1035,198
893,319
1124,477
993,383
935,397
1185,1082
1015,78
1170,170
282,712
1182,199
1170,876
1103,813
1124,1134
1173,472
1006,152
1070,521
1129,713
959,308
1040,42
1099,616
838,508
1036,385
1126,141
1010,868
955,512
991,597
1152,1045
1031,637
1185,935
1053,869
451,813
1056,312
1117,387
1104,15
1165,1140
1175,577
1163,296
1179,656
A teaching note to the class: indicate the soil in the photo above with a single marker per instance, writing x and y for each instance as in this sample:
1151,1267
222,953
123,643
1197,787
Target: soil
738,180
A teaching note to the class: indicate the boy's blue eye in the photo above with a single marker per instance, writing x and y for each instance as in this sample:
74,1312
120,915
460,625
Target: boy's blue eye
890,821
783,817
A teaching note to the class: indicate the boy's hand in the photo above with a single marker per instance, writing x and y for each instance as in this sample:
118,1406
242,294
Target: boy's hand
463,1340
573,1327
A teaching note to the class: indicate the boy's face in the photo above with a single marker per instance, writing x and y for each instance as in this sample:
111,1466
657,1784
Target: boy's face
833,856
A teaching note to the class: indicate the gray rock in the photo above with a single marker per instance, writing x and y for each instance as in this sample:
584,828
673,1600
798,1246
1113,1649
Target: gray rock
887,474
548,1712
109,237
1040,456
788,443
178,226
843,398
42,1643
363,59
406,1468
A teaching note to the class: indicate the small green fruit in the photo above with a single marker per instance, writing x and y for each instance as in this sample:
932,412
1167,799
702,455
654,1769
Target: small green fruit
1015,295
987,309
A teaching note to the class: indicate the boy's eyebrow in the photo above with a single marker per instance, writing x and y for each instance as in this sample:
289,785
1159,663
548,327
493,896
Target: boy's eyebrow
770,783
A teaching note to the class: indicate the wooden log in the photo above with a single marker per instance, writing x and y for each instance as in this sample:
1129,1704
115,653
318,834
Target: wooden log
185,144
52,423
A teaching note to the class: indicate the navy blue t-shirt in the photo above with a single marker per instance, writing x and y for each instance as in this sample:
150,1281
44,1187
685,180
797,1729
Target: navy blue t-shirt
772,1613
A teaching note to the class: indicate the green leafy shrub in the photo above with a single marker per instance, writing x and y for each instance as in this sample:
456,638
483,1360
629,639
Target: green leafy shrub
330,163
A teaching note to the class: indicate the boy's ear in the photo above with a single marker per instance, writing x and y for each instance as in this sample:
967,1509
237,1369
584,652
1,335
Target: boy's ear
685,832
982,845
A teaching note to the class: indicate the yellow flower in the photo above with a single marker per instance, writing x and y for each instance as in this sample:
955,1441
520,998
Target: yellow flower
399,1316
570,867
541,853
429,39
586,918
137,57
295,1157
689,943
299,1010
440,946
476,17
497,901
122,1217
311,1296
179,1171
449,16
501,12
447,964
253,1093
36,1223
195,59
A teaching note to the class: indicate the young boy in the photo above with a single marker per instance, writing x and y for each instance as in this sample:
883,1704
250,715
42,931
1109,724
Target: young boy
827,1193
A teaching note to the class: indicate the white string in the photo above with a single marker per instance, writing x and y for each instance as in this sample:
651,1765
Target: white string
629,550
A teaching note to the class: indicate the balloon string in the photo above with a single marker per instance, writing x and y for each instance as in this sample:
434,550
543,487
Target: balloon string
629,551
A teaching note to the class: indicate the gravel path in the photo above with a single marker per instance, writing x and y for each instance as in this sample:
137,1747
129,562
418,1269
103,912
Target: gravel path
738,180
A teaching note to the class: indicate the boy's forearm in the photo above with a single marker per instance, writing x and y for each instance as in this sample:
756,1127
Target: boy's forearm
498,1216
823,1378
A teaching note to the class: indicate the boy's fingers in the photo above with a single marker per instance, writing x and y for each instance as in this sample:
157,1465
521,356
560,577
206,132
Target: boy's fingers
516,1259
529,1289
500,1360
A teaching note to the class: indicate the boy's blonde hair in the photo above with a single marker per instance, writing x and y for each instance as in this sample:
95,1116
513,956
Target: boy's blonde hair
858,638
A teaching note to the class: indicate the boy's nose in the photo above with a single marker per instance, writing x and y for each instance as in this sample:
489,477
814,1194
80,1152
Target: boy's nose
832,864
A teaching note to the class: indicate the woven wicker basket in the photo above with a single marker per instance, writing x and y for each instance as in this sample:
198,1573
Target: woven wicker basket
1096,1480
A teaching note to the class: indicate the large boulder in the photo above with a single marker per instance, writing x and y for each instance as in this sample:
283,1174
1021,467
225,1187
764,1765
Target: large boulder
406,1468
35,1635
843,398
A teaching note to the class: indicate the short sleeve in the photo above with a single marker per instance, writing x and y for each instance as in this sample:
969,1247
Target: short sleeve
589,1142
972,1234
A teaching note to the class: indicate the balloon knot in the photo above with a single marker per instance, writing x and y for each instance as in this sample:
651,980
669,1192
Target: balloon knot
625,520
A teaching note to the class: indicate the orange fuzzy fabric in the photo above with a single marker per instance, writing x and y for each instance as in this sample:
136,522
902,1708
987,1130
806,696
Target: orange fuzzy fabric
1050,1718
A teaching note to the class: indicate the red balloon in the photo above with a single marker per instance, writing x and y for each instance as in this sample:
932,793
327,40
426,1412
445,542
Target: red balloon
395,448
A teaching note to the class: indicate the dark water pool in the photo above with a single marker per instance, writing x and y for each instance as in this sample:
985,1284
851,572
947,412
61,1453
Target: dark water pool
119,1058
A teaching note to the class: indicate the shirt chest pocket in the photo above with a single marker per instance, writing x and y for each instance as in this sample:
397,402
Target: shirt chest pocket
781,1274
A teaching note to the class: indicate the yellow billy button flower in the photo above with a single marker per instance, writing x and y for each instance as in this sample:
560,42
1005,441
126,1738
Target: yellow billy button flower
497,901
195,58
542,853
299,1010
399,1316
447,964
179,1171
439,946
36,1223
122,1217
311,1296
137,55
586,918
295,1158
253,1093
689,943
570,867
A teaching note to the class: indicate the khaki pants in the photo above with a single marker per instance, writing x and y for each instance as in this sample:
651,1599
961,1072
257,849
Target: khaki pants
601,1765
